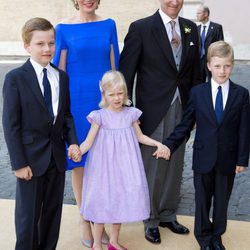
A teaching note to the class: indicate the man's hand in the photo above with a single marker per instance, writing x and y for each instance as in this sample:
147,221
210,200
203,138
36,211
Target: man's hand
74,153
239,169
24,173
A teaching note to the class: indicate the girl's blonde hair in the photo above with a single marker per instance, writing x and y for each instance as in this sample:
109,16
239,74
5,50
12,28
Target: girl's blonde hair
113,80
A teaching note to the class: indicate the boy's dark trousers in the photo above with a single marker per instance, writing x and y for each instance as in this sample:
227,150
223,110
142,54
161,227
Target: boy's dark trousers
38,210
217,187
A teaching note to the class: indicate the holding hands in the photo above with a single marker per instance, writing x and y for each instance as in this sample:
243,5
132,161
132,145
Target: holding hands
162,152
74,153
25,173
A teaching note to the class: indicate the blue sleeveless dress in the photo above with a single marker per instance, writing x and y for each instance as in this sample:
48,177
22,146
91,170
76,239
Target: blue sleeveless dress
88,58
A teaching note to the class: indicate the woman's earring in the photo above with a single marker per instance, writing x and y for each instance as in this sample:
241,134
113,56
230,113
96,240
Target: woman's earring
97,4
76,5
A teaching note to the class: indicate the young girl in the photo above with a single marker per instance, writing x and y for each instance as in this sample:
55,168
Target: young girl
115,187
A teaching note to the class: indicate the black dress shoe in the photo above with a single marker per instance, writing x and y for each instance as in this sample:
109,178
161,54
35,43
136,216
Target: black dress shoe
153,235
218,246
206,248
175,227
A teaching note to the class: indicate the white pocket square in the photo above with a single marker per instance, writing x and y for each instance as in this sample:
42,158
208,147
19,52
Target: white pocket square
191,44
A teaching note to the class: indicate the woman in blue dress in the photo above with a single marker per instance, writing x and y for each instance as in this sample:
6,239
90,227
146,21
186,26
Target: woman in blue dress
86,47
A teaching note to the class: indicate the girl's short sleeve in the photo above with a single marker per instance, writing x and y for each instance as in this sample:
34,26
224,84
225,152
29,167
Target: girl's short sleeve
136,113
95,117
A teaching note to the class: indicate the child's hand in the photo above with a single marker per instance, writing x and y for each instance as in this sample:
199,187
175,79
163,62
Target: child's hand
239,169
76,157
24,173
162,152
74,153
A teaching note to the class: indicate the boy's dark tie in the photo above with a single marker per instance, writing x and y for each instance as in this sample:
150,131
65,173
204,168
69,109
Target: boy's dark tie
219,105
47,93
203,36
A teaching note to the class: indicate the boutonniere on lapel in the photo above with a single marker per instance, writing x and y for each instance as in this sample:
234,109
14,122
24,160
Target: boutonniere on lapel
187,29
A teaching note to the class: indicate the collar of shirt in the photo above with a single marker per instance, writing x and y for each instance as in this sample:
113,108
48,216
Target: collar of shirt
224,89
205,24
38,68
166,20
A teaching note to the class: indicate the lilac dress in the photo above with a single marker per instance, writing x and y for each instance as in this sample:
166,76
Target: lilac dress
115,188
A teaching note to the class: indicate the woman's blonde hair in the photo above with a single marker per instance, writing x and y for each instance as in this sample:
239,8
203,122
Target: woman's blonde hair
113,80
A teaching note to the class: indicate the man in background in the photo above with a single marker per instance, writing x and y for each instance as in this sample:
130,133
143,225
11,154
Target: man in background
210,32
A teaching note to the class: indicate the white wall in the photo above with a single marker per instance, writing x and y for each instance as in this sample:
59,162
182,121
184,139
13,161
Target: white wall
233,15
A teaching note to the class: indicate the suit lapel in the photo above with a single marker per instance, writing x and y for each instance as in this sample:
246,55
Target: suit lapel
32,81
199,30
185,41
161,37
209,31
208,99
61,89
232,94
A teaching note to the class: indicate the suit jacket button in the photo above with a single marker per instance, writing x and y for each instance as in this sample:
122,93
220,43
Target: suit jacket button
49,123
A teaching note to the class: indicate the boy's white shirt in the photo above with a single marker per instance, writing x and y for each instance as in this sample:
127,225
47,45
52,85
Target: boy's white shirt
224,88
207,26
53,76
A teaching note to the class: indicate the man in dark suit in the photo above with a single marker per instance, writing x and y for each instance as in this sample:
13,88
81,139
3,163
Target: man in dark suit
221,111
163,50
210,32
37,121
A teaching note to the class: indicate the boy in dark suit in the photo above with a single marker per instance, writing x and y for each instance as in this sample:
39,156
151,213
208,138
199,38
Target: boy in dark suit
37,121
220,109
